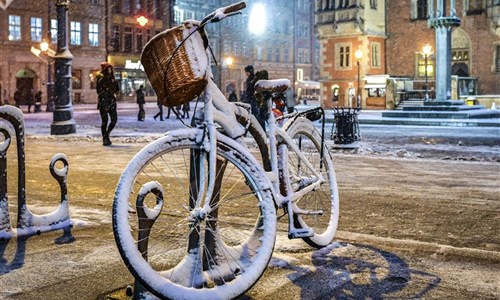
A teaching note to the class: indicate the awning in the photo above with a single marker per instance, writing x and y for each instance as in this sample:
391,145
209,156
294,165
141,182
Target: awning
307,84
374,86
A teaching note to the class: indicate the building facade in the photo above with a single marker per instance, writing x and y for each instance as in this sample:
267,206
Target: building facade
345,27
475,44
390,36
98,30
25,24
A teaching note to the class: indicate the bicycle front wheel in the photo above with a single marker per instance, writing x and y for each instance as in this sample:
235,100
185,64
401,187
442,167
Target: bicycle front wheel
325,198
171,247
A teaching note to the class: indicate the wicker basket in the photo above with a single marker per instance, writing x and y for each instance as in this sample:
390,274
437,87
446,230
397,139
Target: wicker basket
176,76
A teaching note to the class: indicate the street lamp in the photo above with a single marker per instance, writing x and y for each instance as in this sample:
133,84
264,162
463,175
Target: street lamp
44,46
427,50
358,54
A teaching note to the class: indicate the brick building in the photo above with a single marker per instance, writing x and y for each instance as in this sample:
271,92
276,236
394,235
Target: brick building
27,23
98,30
475,43
391,36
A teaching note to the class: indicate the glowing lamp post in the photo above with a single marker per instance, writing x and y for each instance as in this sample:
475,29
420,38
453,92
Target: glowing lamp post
358,54
142,20
427,50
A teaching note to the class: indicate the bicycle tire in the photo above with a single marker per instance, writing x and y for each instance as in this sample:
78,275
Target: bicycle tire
325,198
235,242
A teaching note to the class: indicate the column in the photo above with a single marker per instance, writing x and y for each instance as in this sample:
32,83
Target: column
63,122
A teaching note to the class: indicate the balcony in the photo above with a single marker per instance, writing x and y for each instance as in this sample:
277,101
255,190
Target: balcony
340,20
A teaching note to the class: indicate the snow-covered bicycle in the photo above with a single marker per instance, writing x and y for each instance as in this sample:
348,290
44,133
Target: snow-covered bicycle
195,213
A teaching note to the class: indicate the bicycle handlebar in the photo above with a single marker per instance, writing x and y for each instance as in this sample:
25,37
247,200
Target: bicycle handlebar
223,12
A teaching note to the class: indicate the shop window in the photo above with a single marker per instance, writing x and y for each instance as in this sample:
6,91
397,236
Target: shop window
376,92
76,79
75,33
36,29
93,79
14,28
421,66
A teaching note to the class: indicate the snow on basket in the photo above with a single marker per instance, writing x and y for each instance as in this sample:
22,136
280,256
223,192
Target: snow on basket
177,70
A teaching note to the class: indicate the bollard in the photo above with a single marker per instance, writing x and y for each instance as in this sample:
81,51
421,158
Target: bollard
28,222
346,125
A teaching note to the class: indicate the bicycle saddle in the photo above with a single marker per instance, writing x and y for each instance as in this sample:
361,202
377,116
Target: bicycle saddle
273,86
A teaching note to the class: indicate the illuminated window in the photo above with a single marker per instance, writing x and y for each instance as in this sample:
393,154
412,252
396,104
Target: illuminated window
53,31
421,65
75,33
94,34
36,29
14,28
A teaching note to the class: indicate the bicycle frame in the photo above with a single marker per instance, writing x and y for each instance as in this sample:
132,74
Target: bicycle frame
219,111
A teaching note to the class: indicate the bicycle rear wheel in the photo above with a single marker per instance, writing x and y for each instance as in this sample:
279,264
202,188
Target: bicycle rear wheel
168,245
325,198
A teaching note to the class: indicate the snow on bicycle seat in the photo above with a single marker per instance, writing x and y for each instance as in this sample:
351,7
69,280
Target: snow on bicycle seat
273,86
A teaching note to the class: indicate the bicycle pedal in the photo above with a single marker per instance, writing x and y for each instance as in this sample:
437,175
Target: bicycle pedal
300,233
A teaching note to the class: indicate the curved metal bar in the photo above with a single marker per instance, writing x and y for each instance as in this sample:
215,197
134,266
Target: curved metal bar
5,228
26,220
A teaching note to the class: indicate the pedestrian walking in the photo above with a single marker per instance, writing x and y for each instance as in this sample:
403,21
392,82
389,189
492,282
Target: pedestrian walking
141,101
38,101
185,110
5,97
17,98
160,110
107,88
249,86
29,99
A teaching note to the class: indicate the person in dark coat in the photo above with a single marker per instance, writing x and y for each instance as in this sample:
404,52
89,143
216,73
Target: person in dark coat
249,85
107,88
160,110
141,101
38,101
17,98
185,110
232,96
30,98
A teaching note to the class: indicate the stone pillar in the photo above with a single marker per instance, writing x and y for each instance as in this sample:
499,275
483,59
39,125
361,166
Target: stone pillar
63,122
443,25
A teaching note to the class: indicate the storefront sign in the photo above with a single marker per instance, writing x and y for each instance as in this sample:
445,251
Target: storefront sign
133,65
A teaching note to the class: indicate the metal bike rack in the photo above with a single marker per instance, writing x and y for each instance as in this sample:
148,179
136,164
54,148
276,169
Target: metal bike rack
28,222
